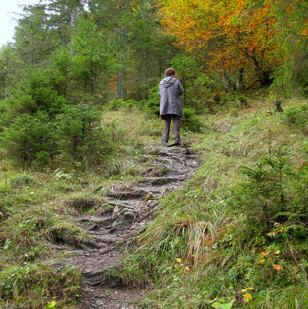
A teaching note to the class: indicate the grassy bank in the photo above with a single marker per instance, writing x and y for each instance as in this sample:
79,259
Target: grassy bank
235,236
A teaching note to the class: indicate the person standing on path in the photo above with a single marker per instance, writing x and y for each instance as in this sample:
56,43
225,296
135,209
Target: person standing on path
170,89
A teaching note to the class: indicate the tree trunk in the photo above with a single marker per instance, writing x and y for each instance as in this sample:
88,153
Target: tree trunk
227,82
121,93
263,76
240,80
6,79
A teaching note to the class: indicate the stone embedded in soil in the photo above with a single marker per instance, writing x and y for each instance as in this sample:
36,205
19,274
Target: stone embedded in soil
107,238
98,220
126,195
125,220
159,181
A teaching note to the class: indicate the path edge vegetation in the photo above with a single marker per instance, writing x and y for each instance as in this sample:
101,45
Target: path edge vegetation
79,108
235,236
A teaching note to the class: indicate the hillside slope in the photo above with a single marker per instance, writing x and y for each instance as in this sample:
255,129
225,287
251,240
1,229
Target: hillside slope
234,236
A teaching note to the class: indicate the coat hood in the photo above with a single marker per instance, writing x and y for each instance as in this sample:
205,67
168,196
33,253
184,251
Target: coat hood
168,81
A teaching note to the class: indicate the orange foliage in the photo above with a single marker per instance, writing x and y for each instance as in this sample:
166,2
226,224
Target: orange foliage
304,31
113,81
228,35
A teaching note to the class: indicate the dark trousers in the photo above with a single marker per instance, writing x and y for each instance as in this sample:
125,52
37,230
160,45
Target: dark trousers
176,128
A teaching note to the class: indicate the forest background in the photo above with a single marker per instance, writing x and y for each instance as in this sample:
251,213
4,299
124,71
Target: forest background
69,55
74,61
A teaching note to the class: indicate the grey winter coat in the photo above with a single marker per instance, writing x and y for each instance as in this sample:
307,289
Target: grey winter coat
170,90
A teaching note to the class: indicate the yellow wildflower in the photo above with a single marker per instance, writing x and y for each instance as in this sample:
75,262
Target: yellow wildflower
247,297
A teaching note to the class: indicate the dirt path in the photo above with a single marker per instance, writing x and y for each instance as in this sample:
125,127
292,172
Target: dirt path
131,207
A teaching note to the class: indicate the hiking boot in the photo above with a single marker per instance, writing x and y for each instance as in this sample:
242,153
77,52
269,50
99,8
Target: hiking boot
176,143
164,143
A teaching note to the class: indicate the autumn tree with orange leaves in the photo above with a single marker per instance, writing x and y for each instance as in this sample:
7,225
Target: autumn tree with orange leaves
238,38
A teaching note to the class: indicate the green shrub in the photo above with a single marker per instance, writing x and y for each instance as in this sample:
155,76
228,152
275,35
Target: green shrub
5,115
151,105
190,120
128,104
298,116
29,131
38,92
201,91
80,136
233,99
273,200
30,140
75,134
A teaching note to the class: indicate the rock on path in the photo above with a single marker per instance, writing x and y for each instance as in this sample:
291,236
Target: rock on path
132,206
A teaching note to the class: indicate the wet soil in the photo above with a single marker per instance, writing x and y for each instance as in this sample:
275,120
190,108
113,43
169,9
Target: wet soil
130,207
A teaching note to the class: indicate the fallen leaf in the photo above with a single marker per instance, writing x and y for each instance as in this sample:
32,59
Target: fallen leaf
265,253
277,267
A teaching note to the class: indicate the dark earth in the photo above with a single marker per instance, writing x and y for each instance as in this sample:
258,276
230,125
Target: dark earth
130,207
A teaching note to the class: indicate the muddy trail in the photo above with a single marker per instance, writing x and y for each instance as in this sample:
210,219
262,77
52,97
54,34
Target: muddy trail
129,208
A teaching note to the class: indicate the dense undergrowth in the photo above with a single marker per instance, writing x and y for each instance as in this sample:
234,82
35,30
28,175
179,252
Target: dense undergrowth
37,204
233,236
236,235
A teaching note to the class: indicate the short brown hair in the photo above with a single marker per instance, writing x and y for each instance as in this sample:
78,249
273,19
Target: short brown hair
170,72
